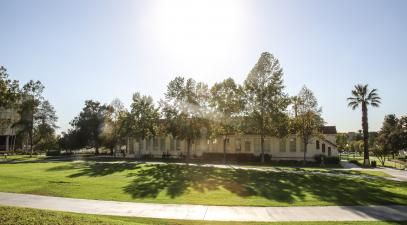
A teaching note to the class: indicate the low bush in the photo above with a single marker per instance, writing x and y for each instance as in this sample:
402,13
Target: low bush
53,152
232,157
327,159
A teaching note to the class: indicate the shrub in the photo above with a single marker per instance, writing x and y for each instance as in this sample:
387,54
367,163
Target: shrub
147,156
53,152
327,159
231,157
332,160
318,158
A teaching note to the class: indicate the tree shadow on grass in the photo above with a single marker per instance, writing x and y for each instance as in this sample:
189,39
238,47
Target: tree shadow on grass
175,180
280,187
95,169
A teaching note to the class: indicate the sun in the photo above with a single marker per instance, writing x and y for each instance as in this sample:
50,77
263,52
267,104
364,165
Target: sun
195,30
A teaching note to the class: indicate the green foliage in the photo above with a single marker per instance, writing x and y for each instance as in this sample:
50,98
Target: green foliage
227,102
116,127
44,127
186,110
265,99
393,134
9,89
144,117
307,121
91,122
327,159
37,117
342,141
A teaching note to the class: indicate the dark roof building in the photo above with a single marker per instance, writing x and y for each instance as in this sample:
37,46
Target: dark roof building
328,130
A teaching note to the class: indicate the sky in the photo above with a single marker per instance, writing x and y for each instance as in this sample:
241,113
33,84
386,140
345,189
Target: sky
107,49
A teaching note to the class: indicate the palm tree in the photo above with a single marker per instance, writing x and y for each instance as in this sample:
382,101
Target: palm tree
362,96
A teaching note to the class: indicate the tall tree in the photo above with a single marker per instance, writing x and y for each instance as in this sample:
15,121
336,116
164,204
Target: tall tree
31,99
44,126
265,99
144,117
391,138
403,133
362,96
308,122
226,100
9,89
185,110
91,123
9,97
342,141
115,126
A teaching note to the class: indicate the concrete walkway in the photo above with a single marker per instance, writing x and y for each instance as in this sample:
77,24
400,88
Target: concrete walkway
348,165
400,175
202,212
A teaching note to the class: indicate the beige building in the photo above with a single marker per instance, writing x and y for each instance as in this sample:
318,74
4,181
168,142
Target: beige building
7,133
290,147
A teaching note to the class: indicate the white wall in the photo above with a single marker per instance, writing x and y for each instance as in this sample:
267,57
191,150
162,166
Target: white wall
248,144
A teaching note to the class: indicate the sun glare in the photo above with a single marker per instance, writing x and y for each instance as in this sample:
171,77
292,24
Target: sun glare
191,31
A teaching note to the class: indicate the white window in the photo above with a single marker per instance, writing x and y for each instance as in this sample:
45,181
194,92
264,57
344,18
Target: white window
178,145
238,145
266,145
247,146
282,145
155,144
293,144
141,145
257,145
172,144
162,144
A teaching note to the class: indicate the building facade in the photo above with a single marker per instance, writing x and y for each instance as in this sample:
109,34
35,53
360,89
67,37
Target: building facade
288,148
7,133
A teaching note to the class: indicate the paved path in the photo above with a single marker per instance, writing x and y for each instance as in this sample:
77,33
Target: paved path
348,165
202,212
400,175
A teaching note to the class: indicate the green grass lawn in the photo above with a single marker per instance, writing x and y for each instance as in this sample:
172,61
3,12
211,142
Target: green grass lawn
170,183
25,216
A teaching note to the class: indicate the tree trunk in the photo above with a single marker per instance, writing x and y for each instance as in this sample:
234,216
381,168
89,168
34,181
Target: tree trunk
97,149
126,149
262,147
31,142
305,150
365,128
188,150
224,149
141,142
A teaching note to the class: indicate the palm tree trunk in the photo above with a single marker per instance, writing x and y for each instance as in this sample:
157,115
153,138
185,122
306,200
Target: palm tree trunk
365,128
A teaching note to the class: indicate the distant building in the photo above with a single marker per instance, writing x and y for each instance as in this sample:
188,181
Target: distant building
288,148
7,133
